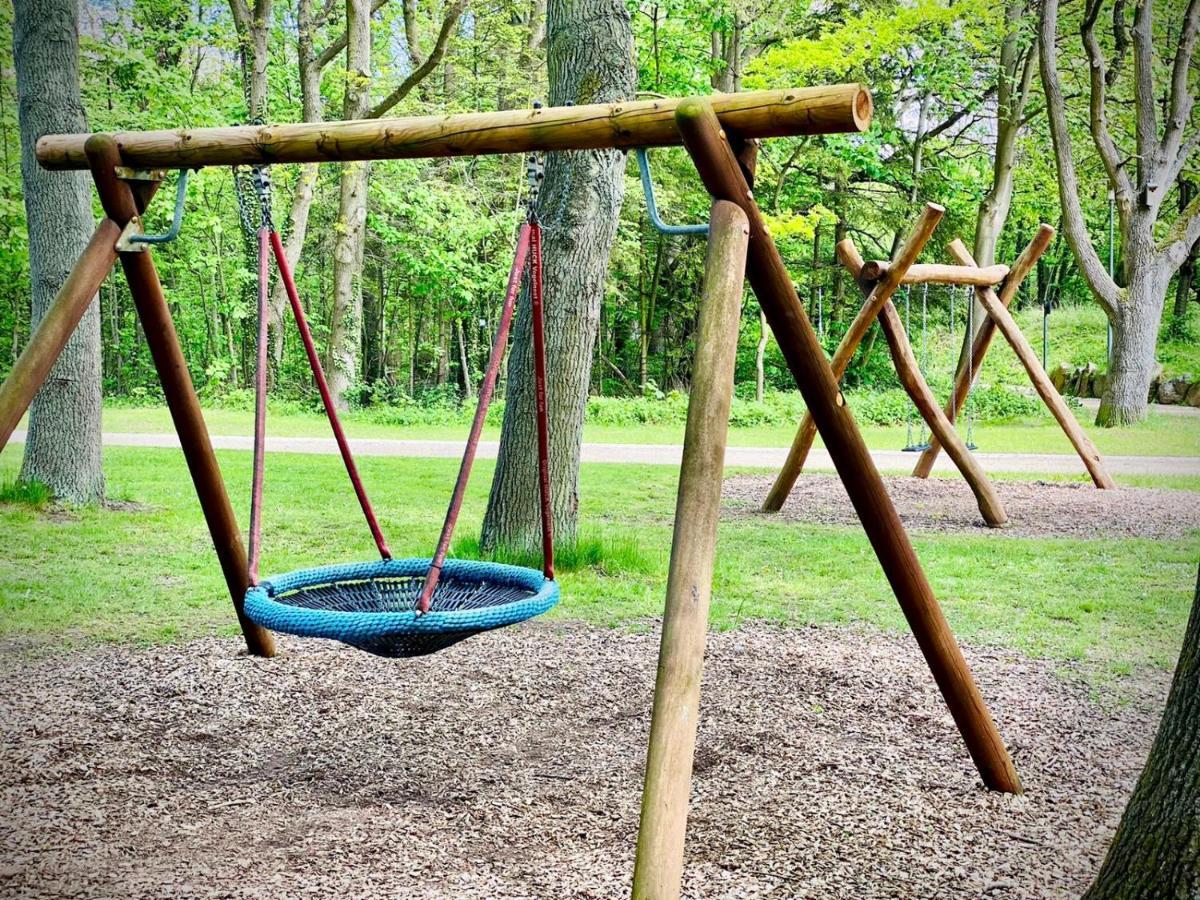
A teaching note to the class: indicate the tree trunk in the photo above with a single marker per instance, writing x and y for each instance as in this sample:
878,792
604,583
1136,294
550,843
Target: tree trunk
62,449
590,60
1156,851
759,355
1135,338
345,334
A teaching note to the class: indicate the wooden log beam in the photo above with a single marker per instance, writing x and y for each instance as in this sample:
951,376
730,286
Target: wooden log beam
909,371
983,340
880,294
659,865
937,273
56,327
118,201
1041,381
641,123
772,283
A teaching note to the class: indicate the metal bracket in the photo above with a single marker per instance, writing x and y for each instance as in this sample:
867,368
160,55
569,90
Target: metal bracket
126,173
126,242
139,239
652,208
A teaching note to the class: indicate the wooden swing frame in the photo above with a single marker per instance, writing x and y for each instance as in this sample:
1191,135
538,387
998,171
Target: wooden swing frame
721,134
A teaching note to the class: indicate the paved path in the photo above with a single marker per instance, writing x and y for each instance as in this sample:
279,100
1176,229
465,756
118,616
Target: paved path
1166,409
669,454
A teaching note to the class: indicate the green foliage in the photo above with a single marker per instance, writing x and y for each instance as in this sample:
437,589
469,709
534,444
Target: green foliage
33,494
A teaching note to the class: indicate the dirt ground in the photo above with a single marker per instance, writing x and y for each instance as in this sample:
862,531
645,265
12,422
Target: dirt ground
1035,508
510,766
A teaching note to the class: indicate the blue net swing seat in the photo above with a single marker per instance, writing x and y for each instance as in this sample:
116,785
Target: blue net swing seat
399,607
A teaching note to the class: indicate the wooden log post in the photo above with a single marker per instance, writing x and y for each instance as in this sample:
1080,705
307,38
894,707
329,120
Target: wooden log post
923,398
56,327
879,296
659,866
624,125
937,273
983,340
119,204
996,311
769,277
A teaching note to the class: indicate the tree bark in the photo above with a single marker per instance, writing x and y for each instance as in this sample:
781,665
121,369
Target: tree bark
62,449
1156,851
590,60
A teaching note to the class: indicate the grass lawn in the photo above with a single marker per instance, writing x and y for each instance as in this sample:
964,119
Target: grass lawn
147,572
1161,435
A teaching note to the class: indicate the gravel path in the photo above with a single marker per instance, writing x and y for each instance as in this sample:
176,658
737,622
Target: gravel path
1065,463
510,766
1035,508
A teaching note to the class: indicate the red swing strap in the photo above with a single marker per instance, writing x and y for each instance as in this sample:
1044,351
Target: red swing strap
529,245
314,362
260,411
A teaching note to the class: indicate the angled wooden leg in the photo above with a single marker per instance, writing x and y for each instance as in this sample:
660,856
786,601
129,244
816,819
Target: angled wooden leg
659,866
997,313
914,383
56,327
119,204
880,294
769,277
983,340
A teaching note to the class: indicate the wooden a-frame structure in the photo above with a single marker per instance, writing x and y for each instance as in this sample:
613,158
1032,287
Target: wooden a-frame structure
879,280
721,134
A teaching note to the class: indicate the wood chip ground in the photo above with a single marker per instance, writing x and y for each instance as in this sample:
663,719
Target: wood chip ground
1035,508
509,766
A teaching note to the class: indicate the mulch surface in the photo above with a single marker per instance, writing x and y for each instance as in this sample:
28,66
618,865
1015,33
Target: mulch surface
510,766
1035,508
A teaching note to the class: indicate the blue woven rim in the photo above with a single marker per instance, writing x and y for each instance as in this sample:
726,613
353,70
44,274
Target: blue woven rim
262,607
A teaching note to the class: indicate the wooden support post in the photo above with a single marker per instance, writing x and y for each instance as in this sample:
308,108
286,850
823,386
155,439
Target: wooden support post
56,327
983,340
937,273
879,296
1041,381
659,866
769,277
926,403
119,205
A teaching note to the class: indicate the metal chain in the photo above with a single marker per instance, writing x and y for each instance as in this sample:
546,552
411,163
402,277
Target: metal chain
535,173
252,188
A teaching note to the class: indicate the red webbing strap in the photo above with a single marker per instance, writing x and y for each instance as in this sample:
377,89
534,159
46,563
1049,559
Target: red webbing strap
543,426
260,411
485,397
314,363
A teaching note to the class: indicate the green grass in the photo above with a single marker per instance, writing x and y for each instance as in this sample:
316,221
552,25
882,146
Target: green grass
33,494
147,572
1161,435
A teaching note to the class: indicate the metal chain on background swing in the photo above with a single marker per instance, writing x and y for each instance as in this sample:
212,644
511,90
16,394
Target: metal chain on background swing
970,362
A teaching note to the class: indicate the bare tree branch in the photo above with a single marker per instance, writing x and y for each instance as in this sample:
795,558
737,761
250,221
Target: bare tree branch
1120,43
1181,237
1181,158
1182,99
422,71
1074,225
1143,79
330,53
1101,136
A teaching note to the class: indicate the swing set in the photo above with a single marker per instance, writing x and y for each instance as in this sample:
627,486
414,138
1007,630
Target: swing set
410,607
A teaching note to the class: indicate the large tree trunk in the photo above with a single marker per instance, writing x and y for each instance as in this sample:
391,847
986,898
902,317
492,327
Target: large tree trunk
1156,851
345,338
63,446
590,60
1138,315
